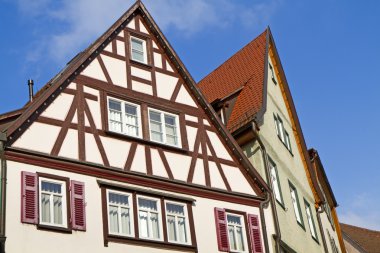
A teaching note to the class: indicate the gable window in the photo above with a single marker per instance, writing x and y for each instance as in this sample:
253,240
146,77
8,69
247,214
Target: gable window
310,220
120,213
296,204
275,182
124,117
237,231
272,74
52,194
138,50
282,134
164,127
177,222
52,202
149,217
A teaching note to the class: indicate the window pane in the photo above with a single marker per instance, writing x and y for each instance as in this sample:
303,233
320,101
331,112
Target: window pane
137,44
155,116
169,120
239,239
113,219
143,219
276,183
125,221
171,228
114,105
182,229
147,204
175,209
115,117
57,209
295,204
45,207
155,225
138,56
231,235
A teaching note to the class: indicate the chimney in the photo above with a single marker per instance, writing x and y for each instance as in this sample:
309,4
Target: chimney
30,84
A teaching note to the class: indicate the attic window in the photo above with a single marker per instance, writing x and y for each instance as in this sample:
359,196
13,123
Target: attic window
138,50
272,74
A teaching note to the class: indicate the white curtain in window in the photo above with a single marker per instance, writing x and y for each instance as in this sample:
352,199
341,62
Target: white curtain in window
148,217
131,120
182,230
137,50
57,200
171,130
115,116
171,228
45,207
156,126
113,219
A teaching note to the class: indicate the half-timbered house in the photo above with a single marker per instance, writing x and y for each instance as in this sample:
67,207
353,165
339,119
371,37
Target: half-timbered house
120,152
251,96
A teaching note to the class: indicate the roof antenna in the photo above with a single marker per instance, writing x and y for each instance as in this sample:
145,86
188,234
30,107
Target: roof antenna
30,84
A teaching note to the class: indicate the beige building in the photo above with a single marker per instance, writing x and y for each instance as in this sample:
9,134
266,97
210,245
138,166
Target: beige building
251,95
120,152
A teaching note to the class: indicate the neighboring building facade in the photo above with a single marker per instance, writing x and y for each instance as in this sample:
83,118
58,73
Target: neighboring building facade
120,152
250,93
360,240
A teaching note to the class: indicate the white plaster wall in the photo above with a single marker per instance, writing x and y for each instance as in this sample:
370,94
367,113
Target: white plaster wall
120,47
326,225
165,85
38,137
139,163
95,71
184,97
179,165
191,135
27,238
220,150
69,147
117,70
116,151
157,60
236,179
142,87
216,178
59,108
141,73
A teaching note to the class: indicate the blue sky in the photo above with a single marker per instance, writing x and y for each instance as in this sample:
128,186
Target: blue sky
329,50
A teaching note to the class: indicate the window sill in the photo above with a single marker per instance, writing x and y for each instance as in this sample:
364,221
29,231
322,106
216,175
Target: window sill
54,229
149,243
146,142
140,64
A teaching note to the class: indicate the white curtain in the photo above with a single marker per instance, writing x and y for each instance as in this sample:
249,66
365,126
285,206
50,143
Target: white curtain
45,207
115,116
131,120
57,209
155,126
148,216
171,130
113,219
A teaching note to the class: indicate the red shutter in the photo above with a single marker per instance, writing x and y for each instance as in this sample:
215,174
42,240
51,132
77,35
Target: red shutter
29,198
78,210
254,231
221,229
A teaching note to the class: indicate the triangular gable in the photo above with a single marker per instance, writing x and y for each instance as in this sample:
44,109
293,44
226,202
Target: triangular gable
80,92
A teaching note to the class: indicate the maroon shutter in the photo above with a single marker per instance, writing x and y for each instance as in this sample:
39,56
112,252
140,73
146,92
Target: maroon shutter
254,231
29,198
78,210
221,229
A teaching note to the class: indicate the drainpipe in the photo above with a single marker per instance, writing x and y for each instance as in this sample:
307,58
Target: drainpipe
263,205
271,197
319,211
3,182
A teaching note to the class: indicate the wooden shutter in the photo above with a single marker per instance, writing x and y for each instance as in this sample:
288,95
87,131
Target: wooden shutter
221,229
78,210
254,231
29,198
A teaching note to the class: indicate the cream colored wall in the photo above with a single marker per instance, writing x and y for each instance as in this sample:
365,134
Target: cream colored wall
290,168
350,248
27,238
328,227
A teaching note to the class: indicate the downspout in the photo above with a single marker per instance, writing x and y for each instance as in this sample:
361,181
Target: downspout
319,211
3,187
263,205
271,197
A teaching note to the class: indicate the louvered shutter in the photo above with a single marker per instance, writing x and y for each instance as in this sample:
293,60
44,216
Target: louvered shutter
221,229
29,198
254,231
78,210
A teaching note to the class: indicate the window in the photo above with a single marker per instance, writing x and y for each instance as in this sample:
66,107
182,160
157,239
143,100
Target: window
138,50
310,220
296,204
52,202
328,213
164,127
177,222
282,134
124,117
120,214
52,205
232,232
149,216
272,74
332,243
275,181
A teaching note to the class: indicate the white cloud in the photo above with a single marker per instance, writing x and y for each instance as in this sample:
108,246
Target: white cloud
84,20
363,211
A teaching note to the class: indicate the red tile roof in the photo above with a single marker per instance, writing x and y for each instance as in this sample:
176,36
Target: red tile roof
245,70
369,240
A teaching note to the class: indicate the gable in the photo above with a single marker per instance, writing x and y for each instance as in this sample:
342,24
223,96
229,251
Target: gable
75,122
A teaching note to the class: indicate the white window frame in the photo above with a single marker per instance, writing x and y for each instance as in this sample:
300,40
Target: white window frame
131,213
162,116
123,117
186,216
159,212
296,205
276,185
244,231
310,220
273,75
145,54
281,132
64,202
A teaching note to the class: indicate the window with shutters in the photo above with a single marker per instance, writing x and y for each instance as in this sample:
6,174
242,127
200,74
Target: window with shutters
310,220
237,231
296,204
52,202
